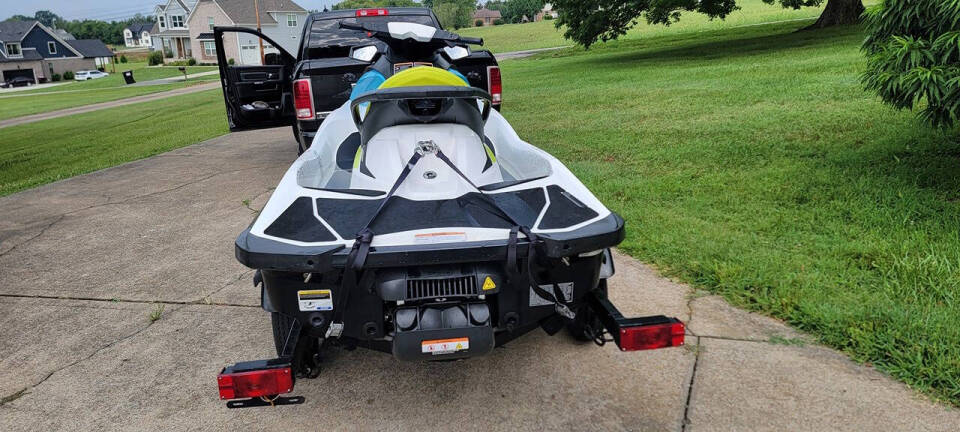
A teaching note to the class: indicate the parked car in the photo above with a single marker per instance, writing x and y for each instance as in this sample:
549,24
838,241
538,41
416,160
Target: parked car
263,96
89,75
17,82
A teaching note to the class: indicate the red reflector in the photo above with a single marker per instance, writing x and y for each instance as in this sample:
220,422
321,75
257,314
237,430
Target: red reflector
494,84
372,12
651,336
265,382
303,99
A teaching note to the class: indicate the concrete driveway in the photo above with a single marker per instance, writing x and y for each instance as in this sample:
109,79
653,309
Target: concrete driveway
84,262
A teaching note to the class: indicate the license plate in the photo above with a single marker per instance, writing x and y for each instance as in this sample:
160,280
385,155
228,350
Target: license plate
444,346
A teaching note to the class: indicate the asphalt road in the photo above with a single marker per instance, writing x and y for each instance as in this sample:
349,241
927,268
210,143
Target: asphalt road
84,262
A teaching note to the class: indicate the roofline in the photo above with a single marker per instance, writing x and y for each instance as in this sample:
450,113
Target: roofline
29,30
54,35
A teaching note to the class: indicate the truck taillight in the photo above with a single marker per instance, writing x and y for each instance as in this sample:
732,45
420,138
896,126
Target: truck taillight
372,12
303,99
646,337
494,84
255,383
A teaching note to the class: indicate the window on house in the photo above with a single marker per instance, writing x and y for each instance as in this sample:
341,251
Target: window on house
176,21
13,50
51,47
209,49
291,20
163,22
210,22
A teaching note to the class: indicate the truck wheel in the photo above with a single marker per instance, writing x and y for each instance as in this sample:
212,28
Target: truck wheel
281,328
298,138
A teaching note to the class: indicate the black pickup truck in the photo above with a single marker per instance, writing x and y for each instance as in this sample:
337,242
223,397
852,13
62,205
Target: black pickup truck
259,96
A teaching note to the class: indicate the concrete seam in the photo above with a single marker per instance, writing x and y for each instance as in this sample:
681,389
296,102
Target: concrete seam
693,375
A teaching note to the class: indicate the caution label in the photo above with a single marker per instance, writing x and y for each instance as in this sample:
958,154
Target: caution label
488,284
444,346
315,300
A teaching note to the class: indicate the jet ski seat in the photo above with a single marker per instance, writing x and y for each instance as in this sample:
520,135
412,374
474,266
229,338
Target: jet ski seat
420,95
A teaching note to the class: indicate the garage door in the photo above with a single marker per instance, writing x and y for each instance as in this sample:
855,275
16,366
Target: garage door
11,74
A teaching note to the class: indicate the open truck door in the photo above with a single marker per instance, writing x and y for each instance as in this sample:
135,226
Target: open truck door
257,95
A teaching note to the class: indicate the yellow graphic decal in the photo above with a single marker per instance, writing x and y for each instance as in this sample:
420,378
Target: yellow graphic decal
488,284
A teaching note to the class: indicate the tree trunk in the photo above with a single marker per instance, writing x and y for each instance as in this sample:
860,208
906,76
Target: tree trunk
839,12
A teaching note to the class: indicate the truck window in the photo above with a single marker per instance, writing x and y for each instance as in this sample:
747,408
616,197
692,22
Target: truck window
328,40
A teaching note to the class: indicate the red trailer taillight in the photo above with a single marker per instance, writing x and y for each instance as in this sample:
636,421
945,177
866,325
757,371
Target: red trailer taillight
494,84
303,99
255,383
372,12
647,337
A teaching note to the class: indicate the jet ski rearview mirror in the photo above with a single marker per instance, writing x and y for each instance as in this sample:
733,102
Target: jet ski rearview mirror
364,53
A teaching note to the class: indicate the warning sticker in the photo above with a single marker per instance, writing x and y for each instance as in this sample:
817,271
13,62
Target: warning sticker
440,237
488,284
444,346
315,300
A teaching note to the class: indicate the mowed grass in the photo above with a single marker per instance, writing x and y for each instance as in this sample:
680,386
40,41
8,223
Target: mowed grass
751,163
17,105
38,153
141,73
543,34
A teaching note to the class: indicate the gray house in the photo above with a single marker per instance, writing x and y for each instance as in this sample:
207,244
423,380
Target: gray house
33,50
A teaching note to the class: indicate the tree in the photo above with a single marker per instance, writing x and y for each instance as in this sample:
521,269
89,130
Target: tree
454,13
913,57
47,18
364,4
589,21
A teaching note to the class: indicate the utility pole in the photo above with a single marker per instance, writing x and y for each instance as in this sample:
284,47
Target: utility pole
256,7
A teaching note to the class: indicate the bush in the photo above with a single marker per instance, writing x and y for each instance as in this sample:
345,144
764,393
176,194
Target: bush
547,17
191,61
498,21
123,58
115,60
230,62
55,77
478,23
167,53
68,75
913,53
155,58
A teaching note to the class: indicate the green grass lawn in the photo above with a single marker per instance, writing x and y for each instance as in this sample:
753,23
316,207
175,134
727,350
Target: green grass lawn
543,34
751,163
18,104
39,153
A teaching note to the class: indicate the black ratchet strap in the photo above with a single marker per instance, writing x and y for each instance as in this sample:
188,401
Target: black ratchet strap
361,246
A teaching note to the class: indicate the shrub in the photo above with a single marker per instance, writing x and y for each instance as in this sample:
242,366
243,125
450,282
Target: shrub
913,53
230,62
123,58
547,17
478,23
498,21
155,58
55,77
115,60
191,61
68,75
167,53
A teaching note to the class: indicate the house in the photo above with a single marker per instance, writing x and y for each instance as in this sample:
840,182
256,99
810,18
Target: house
546,11
94,49
34,50
280,20
137,35
486,15
171,35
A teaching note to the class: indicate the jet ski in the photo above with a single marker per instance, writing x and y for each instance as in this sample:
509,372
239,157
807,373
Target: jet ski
420,224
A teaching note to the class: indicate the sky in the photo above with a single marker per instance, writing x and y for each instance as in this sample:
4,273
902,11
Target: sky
106,10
